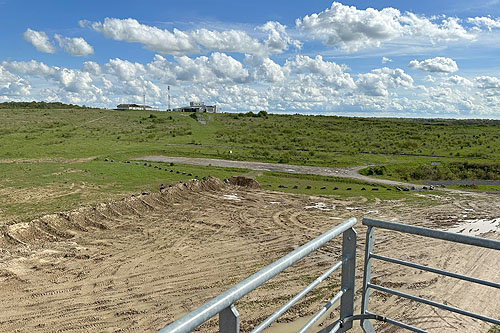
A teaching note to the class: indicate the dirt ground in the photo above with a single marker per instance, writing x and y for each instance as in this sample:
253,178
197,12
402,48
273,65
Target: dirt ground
141,262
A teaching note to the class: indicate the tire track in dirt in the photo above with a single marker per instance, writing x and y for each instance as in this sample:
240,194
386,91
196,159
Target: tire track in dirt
136,264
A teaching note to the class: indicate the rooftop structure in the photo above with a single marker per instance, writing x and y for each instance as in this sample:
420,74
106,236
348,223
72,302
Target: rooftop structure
136,107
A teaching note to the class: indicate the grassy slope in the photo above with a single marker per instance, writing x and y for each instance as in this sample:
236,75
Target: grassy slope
313,140
48,182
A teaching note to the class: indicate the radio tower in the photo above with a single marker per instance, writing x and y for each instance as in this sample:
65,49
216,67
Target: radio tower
169,109
143,94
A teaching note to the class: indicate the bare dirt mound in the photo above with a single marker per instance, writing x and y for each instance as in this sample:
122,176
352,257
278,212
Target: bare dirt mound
245,182
138,263
66,225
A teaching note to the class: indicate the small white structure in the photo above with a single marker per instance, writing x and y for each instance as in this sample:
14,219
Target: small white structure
435,163
136,107
198,107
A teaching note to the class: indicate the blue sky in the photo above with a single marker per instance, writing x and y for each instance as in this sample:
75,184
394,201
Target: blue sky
384,58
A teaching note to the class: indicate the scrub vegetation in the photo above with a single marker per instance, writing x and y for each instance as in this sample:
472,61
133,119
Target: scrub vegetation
460,170
68,152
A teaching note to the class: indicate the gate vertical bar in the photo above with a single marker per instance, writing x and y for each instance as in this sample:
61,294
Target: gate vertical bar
348,275
366,325
229,320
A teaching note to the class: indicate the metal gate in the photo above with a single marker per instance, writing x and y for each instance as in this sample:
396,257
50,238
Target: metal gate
229,320
425,232
223,305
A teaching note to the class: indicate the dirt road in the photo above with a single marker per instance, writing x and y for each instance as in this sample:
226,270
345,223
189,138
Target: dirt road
345,172
137,264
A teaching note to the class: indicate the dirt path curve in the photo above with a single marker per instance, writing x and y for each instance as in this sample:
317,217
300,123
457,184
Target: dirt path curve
345,172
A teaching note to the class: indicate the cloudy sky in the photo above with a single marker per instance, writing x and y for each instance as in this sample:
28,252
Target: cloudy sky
385,58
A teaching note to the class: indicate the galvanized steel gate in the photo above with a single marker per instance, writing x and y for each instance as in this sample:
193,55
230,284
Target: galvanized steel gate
229,321
425,232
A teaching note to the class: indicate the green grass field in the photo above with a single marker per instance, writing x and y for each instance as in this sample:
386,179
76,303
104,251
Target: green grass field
54,159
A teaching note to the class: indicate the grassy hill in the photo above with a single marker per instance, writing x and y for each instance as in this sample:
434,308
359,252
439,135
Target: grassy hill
57,155
296,139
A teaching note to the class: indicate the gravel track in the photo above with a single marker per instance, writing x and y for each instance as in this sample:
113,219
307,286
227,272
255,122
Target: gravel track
345,172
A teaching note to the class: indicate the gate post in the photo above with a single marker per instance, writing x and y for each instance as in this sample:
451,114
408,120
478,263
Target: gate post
348,275
366,325
229,320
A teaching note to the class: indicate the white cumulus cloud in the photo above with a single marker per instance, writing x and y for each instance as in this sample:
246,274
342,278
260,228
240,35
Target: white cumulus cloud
490,86
352,29
224,67
437,64
69,80
459,80
225,41
448,29
329,71
278,39
74,46
125,70
32,68
484,21
13,85
91,67
218,67
177,42
265,69
378,81
40,40
130,30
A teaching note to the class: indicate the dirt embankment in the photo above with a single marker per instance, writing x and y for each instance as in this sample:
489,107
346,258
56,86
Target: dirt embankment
137,264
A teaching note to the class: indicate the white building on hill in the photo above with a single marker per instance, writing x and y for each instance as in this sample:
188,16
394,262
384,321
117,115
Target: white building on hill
198,107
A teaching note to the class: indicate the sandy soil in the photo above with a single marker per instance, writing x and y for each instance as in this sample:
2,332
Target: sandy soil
139,263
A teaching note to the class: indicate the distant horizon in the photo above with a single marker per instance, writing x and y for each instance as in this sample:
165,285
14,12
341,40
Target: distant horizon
403,59
302,113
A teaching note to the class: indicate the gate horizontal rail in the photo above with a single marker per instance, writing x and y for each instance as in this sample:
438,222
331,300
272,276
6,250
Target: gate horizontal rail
425,232
296,298
223,304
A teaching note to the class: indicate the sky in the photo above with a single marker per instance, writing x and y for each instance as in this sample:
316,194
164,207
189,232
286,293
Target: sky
356,58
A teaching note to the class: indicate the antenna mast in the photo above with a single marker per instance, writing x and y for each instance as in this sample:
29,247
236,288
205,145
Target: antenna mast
144,95
169,109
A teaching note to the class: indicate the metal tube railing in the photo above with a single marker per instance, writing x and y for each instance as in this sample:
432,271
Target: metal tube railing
435,270
435,304
269,320
402,325
342,323
426,232
225,300
322,311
